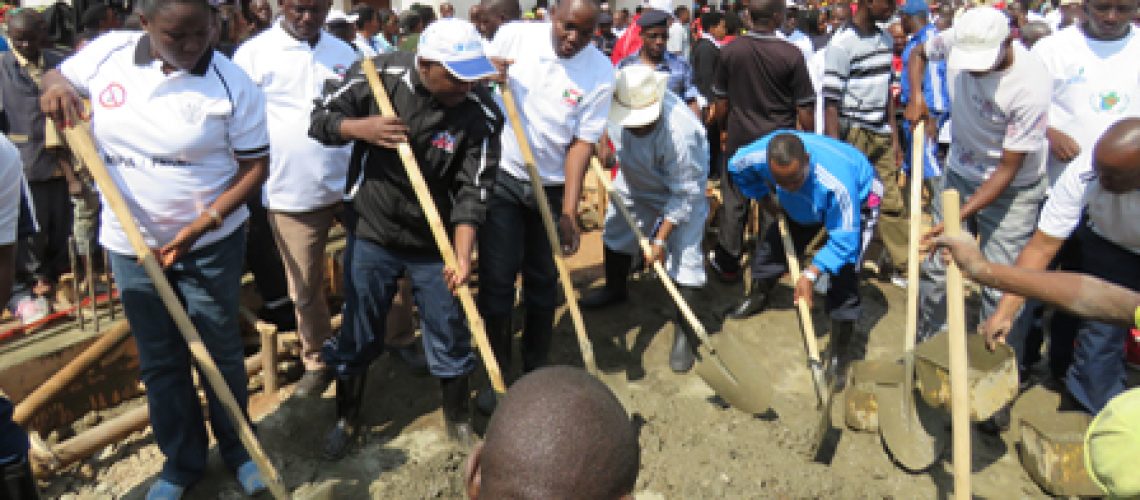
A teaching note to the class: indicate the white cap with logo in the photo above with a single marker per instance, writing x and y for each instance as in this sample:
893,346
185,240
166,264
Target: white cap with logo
978,36
457,45
638,93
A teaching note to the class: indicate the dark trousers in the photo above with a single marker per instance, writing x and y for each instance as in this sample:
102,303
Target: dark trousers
769,263
513,240
370,274
208,282
43,256
261,255
1097,373
733,217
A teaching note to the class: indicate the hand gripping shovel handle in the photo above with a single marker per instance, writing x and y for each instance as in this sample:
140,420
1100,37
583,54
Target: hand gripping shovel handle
415,176
551,230
81,144
806,324
670,287
956,317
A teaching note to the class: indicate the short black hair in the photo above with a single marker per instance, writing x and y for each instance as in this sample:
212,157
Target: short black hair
677,12
151,7
762,11
364,14
507,9
710,19
409,19
785,148
93,17
732,23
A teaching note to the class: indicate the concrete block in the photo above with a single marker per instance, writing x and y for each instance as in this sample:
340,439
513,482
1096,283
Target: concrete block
992,377
1052,452
861,405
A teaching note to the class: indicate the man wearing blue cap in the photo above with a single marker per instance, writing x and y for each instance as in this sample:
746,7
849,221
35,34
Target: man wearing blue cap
654,26
452,125
928,85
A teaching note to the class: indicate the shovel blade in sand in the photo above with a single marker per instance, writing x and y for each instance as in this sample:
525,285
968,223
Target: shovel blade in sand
915,434
735,375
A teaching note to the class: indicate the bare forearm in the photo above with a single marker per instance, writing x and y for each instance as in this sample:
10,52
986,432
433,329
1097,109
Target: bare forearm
577,159
1036,256
1075,293
805,115
464,242
994,186
916,74
721,115
251,174
831,120
664,231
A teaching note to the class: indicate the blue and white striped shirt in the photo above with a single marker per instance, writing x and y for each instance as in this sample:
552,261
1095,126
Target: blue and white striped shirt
935,88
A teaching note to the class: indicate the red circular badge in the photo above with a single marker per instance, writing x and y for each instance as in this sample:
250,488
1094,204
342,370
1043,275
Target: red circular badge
113,96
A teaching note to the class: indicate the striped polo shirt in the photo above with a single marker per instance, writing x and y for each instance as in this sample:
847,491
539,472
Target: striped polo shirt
857,77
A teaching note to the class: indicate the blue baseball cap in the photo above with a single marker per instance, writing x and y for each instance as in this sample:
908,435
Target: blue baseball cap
914,7
457,45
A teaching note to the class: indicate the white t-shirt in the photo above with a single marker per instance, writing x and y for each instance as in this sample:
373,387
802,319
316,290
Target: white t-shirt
304,175
1113,216
1094,83
999,110
559,100
171,142
11,181
678,39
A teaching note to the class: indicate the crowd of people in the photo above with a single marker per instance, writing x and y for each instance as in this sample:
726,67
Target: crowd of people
240,137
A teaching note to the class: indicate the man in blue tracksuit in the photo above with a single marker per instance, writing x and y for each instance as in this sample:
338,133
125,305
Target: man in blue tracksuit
821,184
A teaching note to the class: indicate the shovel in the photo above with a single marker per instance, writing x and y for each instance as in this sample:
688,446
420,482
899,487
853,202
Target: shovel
80,142
737,378
911,431
551,232
416,177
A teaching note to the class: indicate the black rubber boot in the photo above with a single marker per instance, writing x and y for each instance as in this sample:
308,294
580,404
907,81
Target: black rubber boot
755,301
17,482
456,412
617,266
842,352
684,351
499,334
349,393
537,335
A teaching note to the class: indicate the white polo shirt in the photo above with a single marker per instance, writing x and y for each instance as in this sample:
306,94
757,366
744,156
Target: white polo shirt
304,175
560,100
1112,216
171,142
11,180
1094,84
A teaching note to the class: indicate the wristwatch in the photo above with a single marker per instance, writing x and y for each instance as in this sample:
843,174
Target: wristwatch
810,275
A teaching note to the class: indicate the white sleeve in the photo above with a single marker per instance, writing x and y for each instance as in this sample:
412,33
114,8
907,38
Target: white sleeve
11,180
503,43
244,58
938,47
82,66
1063,209
595,111
248,131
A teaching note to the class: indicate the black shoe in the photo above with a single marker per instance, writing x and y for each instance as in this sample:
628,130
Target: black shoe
754,302
841,353
313,383
538,331
16,481
284,316
727,272
456,411
617,266
684,352
349,392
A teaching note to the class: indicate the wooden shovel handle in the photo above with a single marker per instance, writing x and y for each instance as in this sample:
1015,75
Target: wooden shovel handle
551,230
806,323
80,142
917,164
423,195
956,317
674,293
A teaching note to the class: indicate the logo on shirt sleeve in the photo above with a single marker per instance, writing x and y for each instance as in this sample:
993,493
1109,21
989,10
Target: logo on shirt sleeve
113,96
444,140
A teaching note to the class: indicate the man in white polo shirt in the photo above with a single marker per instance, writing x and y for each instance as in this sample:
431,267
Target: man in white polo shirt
563,85
996,157
1095,70
290,62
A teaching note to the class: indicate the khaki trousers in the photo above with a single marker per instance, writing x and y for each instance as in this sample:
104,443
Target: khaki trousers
301,238
894,228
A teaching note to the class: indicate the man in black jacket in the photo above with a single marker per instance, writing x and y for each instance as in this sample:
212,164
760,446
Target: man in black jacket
453,127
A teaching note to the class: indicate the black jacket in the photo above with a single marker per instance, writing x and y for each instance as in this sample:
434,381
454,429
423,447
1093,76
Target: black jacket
457,150
705,60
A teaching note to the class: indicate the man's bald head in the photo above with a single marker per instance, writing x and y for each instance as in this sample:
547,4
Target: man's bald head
1116,157
558,433
767,14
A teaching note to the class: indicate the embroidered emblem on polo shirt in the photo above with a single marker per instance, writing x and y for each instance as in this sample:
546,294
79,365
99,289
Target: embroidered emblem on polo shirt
444,141
571,97
113,96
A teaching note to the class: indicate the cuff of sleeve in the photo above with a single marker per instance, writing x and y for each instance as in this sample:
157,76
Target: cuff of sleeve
252,153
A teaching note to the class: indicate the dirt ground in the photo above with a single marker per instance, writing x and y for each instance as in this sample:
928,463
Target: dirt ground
692,445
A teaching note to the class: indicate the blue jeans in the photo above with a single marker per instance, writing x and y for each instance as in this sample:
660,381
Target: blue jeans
208,282
370,274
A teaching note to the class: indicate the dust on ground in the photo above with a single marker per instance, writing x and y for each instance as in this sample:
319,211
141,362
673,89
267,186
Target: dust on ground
692,445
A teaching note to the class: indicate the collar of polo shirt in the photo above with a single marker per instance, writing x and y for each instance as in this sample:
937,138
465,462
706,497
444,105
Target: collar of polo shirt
144,57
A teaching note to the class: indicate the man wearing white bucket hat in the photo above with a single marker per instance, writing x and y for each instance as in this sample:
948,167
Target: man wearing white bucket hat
664,157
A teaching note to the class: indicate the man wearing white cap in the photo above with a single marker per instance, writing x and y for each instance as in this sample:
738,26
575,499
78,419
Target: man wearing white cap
290,62
664,157
452,125
996,158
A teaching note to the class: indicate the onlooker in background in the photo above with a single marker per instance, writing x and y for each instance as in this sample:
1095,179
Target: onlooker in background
389,28
621,22
605,39
1068,13
927,85
815,28
654,26
446,10
368,40
99,18
680,36
790,30
474,12
495,14
41,258
341,26
427,13
411,25
1033,32
260,15
859,110
705,61
838,16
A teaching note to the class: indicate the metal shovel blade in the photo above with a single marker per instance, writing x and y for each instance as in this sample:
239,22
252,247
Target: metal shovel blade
915,434
738,377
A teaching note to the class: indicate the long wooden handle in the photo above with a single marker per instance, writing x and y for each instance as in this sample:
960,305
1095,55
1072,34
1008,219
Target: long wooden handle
415,176
551,230
674,293
806,322
81,144
917,165
956,316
